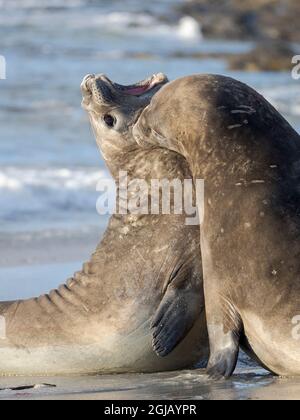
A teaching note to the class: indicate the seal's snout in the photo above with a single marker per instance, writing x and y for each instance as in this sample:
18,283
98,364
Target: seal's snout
101,90
97,89
86,90
94,89
86,83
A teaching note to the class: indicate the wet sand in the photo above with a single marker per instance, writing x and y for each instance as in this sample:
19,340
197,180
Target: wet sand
246,384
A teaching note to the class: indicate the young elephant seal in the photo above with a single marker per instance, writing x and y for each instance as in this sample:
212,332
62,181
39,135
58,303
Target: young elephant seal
249,157
142,272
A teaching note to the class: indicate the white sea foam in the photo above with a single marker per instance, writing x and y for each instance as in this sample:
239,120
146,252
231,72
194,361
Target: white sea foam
15,179
45,197
286,98
118,22
189,28
186,28
126,19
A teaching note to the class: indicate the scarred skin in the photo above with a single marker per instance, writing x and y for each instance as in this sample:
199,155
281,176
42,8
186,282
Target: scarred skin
143,274
249,157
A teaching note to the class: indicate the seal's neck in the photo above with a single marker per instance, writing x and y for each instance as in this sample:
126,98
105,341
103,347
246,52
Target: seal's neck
243,156
120,160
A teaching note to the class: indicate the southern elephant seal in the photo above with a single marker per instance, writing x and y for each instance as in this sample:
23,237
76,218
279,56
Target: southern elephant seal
249,157
142,271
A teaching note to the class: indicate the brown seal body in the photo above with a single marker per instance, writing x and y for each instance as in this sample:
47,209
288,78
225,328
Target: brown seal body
249,157
140,295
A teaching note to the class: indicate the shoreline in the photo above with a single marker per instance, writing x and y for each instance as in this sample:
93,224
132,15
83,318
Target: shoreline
32,264
48,247
188,385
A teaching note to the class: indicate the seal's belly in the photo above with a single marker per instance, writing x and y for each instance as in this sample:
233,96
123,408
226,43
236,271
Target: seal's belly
115,354
274,345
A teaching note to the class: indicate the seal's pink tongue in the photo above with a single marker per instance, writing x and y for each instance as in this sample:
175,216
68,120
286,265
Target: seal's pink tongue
137,90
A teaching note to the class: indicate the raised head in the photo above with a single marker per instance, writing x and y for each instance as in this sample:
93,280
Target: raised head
171,115
114,109
195,114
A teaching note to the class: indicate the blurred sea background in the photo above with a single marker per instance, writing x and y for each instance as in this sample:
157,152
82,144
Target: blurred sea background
49,163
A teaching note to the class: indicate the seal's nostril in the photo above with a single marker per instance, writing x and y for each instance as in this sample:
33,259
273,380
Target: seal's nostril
86,83
102,78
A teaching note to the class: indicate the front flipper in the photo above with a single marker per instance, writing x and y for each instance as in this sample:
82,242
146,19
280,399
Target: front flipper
181,306
224,339
223,360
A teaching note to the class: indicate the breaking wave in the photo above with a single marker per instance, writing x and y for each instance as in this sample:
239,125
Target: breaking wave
39,198
17,179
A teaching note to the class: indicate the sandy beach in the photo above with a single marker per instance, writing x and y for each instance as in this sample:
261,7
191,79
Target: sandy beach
246,384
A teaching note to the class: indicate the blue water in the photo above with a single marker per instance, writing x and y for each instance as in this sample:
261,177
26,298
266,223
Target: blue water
49,164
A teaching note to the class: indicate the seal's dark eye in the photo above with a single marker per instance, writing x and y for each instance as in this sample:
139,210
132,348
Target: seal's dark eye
109,120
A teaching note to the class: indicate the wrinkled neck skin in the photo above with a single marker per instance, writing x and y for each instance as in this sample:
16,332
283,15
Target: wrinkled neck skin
115,148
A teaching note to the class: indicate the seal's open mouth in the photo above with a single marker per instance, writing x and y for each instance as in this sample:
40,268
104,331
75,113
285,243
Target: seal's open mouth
143,87
102,90
137,91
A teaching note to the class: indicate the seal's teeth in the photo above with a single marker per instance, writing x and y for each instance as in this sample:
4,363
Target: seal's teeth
160,78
